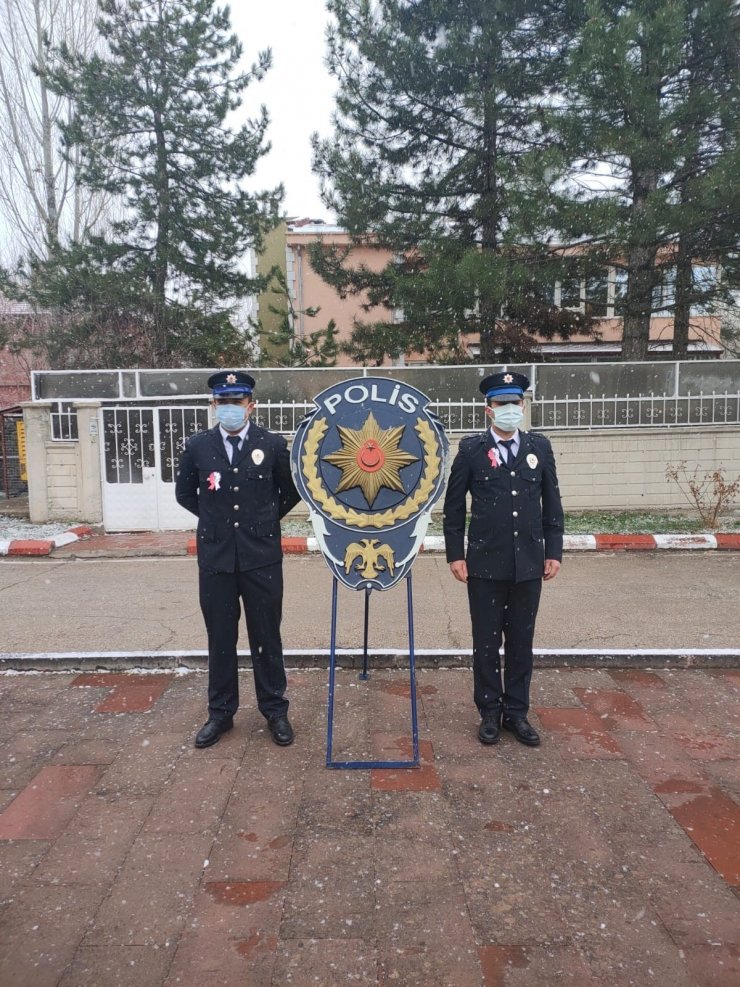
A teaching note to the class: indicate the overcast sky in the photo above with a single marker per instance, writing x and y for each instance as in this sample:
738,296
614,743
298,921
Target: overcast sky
298,92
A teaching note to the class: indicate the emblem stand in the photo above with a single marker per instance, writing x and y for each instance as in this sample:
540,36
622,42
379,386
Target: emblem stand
364,675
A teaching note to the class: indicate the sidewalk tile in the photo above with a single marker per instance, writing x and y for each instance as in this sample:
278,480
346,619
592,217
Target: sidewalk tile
18,861
425,778
328,911
711,965
579,733
43,809
129,693
118,966
144,763
150,898
212,959
328,962
95,843
194,797
42,929
519,966
432,966
712,820
615,709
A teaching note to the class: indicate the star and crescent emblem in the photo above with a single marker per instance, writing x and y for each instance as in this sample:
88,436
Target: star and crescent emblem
370,459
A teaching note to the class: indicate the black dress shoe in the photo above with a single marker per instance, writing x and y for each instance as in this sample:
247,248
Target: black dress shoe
211,731
489,730
524,732
281,730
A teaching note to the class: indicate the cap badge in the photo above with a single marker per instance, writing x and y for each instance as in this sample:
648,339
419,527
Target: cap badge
257,456
231,378
532,460
508,379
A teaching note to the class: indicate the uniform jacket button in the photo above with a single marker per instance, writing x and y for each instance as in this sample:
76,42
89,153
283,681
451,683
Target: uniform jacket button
236,507
236,524
515,513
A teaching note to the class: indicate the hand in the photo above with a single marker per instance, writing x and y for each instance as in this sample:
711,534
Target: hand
460,570
552,567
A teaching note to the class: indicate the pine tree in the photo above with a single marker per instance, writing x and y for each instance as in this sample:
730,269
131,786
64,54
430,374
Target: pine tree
705,213
150,126
642,126
440,154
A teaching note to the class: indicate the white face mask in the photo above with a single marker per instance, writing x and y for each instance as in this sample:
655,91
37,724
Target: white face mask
507,417
232,416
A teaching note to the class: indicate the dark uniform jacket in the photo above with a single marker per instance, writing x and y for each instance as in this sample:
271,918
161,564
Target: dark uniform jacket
516,518
238,504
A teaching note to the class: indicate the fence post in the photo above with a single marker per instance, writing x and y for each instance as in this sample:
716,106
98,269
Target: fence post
89,479
37,421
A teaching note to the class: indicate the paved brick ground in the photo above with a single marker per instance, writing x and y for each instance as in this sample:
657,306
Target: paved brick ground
607,856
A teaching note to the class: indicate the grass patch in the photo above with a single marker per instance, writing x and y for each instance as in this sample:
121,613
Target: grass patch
640,523
588,523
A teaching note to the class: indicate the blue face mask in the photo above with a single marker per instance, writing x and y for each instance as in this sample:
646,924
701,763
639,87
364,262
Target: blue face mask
508,417
231,416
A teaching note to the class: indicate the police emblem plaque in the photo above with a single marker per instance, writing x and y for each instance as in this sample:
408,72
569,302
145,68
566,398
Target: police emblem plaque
369,462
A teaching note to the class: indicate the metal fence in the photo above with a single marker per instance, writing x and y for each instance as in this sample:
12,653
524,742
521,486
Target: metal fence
628,411
636,411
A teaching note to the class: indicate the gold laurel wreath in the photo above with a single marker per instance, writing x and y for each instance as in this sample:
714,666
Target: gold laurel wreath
338,512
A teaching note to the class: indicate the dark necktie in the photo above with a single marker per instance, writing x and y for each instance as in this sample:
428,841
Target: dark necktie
234,440
508,455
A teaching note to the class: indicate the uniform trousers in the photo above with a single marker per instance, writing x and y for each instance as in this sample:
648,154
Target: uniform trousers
261,593
503,609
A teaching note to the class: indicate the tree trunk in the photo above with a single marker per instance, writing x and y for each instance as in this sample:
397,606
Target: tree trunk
50,192
641,255
684,289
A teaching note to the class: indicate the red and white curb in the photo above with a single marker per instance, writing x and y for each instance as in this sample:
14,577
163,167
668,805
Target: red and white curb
571,543
43,546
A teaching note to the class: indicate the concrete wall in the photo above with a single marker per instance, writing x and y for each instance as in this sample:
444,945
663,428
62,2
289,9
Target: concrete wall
624,469
64,481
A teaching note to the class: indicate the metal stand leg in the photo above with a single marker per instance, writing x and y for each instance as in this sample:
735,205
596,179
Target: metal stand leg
330,763
364,674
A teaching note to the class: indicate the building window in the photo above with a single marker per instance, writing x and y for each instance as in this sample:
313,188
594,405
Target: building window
664,292
570,292
620,290
597,295
64,422
705,278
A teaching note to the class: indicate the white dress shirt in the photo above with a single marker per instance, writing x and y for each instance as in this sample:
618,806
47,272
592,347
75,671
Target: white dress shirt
227,445
501,449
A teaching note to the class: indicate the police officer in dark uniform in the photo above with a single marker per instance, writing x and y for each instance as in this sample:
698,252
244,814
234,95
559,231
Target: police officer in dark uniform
236,478
515,539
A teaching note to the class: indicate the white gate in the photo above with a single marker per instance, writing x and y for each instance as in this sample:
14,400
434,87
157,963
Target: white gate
140,449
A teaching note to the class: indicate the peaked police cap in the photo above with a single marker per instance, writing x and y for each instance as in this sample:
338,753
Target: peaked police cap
230,382
507,384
